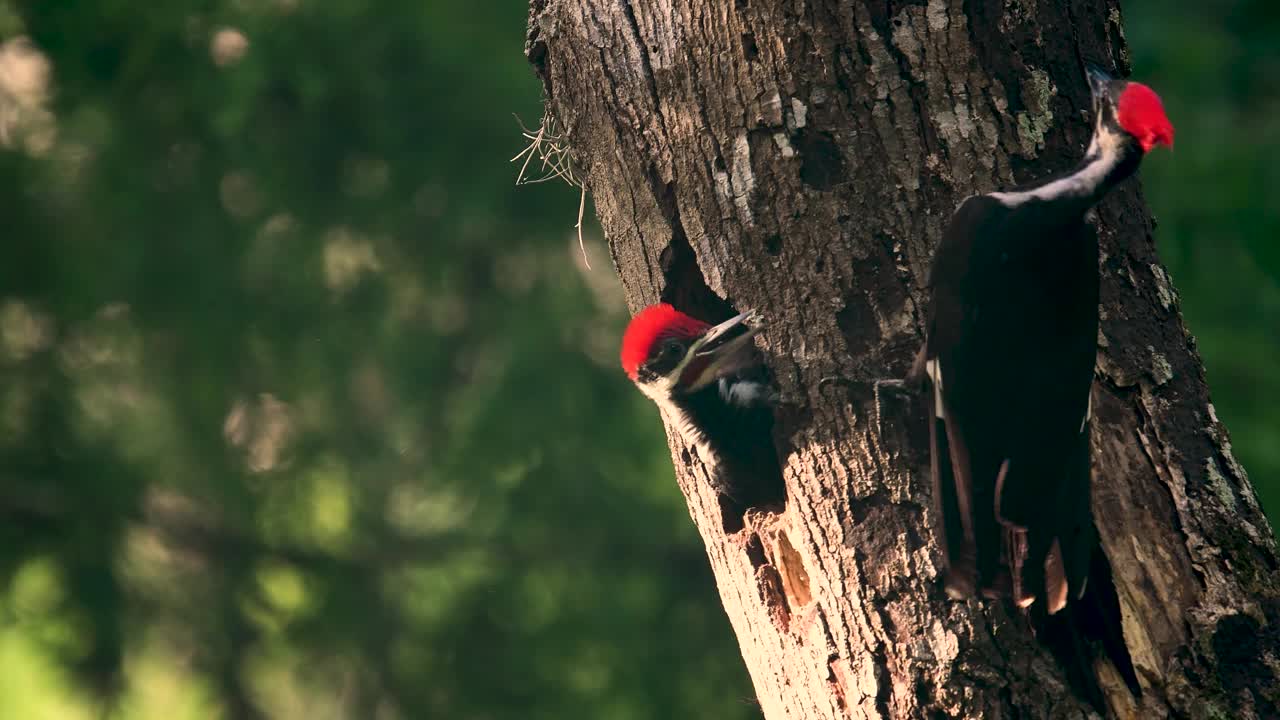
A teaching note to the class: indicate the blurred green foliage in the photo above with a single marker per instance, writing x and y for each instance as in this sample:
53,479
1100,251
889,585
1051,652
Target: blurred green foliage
307,411
1217,202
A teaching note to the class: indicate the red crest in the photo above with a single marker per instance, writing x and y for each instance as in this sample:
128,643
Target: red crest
1141,114
651,325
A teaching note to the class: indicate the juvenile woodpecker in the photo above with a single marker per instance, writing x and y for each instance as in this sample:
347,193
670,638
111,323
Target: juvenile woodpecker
1012,333
710,382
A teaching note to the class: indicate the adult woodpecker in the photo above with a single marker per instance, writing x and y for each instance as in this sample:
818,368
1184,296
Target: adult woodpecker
710,382
1011,341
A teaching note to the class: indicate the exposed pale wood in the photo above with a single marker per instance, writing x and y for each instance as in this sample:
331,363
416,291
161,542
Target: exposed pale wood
800,157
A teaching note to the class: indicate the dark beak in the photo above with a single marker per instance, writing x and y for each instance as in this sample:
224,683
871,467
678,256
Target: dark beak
729,332
722,350
1100,81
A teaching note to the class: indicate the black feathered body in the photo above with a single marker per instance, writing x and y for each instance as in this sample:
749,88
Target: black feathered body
1012,341
731,424
1013,333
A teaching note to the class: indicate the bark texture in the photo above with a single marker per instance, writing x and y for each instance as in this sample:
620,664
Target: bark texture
800,157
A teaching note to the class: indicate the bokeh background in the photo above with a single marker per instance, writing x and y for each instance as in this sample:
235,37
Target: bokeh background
307,411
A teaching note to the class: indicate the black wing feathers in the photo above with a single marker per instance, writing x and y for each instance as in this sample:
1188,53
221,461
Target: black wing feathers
954,506
1012,331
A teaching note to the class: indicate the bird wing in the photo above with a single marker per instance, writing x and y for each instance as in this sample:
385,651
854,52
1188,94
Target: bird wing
1011,481
951,463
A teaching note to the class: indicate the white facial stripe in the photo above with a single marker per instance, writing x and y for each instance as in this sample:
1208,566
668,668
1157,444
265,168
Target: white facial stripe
668,381
723,360
1105,151
709,373
664,385
687,429
658,390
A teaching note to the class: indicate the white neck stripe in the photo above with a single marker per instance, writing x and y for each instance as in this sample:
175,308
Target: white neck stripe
1103,156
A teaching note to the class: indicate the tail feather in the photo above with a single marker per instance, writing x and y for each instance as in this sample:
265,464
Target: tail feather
1079,537
1056,586
951,502
1088,636
1023,529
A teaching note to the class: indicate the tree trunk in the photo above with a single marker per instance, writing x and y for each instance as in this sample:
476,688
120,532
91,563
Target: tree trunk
801,157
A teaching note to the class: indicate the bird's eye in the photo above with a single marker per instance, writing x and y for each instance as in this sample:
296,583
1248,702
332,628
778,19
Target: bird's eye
672,348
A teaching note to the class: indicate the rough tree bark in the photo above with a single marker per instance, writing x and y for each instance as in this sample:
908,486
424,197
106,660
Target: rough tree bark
800,157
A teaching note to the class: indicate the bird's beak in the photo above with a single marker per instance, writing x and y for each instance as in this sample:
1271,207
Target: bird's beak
722,350
1100,82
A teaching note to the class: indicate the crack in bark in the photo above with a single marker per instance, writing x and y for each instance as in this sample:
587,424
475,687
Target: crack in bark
646,69
1157,466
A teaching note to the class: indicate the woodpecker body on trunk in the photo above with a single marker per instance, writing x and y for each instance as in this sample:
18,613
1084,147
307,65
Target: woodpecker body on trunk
1011,351
1011,343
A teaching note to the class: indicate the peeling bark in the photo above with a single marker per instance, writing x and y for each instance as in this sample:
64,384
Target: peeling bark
800,157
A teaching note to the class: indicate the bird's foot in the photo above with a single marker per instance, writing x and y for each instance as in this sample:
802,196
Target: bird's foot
888,394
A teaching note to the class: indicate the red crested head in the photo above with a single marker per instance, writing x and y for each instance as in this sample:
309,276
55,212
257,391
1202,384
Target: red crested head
650,326
1140,112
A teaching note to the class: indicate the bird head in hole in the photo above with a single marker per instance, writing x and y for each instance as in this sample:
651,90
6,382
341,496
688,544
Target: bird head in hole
667,352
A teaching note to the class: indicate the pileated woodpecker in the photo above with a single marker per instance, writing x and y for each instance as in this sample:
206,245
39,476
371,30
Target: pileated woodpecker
1010,350
710,382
